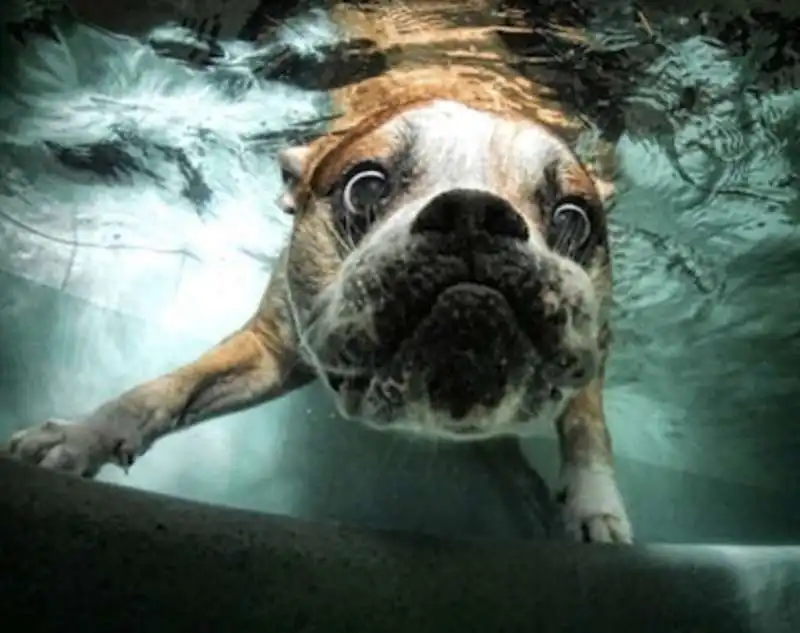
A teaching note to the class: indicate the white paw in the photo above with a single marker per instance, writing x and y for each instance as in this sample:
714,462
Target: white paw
592,507
80,449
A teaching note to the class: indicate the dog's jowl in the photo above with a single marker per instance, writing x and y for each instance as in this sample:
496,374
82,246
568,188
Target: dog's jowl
447,275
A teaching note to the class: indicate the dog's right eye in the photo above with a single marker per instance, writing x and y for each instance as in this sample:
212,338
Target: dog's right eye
365,190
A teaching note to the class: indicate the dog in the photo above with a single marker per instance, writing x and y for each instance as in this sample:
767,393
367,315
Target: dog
447,273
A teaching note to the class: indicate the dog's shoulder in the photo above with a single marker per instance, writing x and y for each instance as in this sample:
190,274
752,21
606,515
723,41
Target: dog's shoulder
440,50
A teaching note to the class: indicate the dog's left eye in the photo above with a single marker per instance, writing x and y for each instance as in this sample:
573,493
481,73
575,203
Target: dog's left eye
570,227
365,190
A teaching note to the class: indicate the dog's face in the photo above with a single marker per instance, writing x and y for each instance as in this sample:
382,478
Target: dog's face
447,270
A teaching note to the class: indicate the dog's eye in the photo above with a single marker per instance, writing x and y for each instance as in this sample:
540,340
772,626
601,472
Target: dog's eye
570,227
366,189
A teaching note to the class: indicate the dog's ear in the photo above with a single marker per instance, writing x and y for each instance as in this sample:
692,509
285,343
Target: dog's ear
605,189
603,169
292,162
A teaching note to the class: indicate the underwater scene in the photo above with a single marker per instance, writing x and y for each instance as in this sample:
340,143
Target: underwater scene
140,223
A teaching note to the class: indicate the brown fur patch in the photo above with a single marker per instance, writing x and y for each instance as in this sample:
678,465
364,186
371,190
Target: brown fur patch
443,49
336,158
434,50
576,180
582,432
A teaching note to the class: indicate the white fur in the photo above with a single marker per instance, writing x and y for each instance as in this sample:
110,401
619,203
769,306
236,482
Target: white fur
594,504
422,421
458,148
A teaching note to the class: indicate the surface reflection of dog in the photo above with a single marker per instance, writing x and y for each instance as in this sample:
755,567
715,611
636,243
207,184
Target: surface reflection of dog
447,275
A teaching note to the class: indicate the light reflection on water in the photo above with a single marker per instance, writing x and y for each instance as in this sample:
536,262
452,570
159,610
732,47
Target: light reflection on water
706,253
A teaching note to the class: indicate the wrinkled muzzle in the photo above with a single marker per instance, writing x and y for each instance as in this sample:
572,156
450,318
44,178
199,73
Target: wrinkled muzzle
461,316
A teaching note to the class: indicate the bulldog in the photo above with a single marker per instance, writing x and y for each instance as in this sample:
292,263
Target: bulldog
447,274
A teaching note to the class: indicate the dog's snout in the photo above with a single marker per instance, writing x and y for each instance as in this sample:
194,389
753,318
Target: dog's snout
468,211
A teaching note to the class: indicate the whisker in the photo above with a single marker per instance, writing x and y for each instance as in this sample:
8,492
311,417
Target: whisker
567,241
341,240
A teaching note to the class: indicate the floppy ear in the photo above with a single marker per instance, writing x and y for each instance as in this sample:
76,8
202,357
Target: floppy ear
604,170
292,162
604,188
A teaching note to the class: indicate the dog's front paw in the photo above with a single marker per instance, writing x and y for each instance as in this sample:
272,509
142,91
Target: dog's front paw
592,507
80,449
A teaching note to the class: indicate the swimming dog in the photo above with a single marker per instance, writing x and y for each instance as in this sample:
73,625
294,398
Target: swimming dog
447,273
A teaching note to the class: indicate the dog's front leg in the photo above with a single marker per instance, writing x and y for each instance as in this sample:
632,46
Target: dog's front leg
253,365
593,509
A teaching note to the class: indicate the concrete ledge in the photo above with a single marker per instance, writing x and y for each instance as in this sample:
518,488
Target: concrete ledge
83,556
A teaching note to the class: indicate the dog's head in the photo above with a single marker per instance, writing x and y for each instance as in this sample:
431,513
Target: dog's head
448,270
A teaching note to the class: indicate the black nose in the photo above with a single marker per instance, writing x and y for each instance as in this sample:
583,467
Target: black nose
467,212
